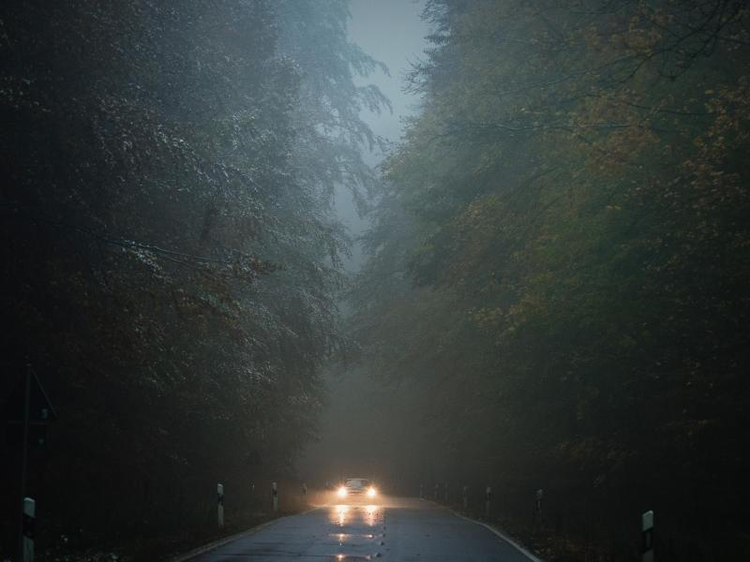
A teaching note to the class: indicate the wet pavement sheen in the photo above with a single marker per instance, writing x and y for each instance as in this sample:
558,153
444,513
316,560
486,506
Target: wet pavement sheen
397,530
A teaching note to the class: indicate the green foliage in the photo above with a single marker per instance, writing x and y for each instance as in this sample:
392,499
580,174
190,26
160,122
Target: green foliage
171,262
570,208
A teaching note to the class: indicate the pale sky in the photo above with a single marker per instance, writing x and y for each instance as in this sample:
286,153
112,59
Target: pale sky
392,32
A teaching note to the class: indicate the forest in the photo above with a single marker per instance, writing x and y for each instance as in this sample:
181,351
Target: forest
558,275
170,256
555,294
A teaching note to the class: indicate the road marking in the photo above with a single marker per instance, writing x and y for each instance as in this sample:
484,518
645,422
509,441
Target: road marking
495,531
503,536
226,540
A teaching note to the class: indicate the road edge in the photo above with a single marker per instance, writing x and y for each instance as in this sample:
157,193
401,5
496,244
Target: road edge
494,530
503,536
186,556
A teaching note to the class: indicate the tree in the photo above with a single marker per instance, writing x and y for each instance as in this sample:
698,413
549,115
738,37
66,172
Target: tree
171,262
566,212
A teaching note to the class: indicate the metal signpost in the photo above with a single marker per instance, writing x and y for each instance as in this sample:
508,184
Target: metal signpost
27,415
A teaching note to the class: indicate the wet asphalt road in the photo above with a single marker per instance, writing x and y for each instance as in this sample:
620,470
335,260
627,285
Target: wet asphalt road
394,530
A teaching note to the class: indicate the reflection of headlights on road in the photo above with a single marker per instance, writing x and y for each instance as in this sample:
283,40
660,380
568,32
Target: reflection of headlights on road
341,492
341,514
371,493
371,510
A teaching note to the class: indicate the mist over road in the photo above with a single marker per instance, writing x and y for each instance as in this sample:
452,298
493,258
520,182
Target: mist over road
394,529
496,251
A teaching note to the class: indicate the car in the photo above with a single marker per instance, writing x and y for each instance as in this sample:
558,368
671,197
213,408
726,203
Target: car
356,488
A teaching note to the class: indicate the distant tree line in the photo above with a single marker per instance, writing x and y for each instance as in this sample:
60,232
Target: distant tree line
170,258
558,278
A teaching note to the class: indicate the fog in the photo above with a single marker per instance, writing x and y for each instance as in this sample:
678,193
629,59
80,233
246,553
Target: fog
243,262
400,22
350,423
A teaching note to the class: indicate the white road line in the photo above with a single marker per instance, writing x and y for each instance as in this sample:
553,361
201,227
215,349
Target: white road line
503,536
497,532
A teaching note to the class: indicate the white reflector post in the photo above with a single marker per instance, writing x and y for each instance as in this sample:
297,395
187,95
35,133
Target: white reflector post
647,528
29,520
220,501
539,498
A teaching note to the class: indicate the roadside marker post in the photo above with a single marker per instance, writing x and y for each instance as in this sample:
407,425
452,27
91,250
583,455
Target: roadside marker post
647,529
487,500
29,519
539,498
466,497
275,496
220,504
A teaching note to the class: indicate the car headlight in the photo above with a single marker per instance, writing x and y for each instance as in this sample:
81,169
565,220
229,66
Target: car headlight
341,492
371,493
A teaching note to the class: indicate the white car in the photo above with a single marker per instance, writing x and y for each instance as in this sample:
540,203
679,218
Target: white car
356,488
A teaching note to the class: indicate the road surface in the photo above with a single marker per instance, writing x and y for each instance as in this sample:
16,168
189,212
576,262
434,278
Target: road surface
394,530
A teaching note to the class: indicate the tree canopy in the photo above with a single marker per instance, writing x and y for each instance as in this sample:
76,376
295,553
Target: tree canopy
171,261
558,265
